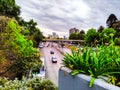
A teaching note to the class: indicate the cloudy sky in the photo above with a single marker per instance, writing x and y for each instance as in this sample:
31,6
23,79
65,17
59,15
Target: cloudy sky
61,15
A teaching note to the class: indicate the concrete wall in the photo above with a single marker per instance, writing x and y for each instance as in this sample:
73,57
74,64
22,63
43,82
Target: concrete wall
81,82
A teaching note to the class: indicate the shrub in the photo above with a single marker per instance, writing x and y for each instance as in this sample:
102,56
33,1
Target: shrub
102,61
26,84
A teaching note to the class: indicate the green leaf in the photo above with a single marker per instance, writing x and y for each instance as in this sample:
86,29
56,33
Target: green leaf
91,81
74,72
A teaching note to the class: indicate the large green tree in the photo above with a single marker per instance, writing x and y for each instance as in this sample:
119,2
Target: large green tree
9,8
18,49
73,36
77,36
107,35
111,19
116,26
82,33
34,32
100,29
91,36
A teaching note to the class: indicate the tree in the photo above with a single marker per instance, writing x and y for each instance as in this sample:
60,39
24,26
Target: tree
9,8
117,41
38,36
111,19
73,36
91,36
116,26
80,36
82,32
3,23
107,35
34,33
113,22
18,49
100,29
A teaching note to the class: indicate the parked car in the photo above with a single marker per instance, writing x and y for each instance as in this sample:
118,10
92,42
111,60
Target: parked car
51,52
54,59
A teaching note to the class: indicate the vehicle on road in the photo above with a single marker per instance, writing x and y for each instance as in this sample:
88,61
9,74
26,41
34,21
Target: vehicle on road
51,52
40,72
41,45
54,59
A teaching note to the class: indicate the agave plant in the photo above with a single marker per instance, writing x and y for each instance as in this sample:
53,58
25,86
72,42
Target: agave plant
104,61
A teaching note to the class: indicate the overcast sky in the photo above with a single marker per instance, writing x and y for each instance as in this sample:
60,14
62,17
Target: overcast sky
61,15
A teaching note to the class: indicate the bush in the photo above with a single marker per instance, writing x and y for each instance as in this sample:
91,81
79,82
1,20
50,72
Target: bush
117,41
26,84
102,61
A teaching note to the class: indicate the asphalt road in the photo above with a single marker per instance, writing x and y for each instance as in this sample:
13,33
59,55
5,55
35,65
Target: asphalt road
51,68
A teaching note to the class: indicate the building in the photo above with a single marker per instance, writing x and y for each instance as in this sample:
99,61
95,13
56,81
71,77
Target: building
54,35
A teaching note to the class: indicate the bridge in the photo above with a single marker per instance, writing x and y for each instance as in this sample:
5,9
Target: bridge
64,40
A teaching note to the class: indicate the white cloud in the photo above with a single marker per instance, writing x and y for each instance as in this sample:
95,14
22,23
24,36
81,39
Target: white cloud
59,16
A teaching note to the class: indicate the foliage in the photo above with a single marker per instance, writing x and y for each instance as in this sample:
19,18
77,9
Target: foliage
102,61
73,36
107,35
111,19
116,26
34,32
3,23
100,29
82,32
19,49
77,36
117,41
91,36
2,57
9,8
80,36
26,84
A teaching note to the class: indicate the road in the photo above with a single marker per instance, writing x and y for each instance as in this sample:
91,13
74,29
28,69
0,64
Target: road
51,68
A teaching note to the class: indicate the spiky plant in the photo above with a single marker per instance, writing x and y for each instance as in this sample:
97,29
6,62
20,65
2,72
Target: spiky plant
104,61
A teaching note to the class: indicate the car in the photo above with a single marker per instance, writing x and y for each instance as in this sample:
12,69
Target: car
51,52
40,46
40,72
54,59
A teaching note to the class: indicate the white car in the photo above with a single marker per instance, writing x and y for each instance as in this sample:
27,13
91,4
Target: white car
40,73
40,46
54,59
